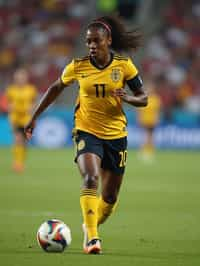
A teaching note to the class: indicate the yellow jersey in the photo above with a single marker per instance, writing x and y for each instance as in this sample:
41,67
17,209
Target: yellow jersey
97,111
20,99
150,115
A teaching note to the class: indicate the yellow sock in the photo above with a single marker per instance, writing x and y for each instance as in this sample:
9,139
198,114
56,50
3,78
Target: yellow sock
149,148
104,210
89,205
19,153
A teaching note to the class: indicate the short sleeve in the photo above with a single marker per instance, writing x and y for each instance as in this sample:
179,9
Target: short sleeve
68,74
130,70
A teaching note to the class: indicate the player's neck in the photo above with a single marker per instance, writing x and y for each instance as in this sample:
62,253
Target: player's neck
102,62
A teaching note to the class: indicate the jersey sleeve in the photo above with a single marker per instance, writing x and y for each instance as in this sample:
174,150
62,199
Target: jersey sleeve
68,75
130,70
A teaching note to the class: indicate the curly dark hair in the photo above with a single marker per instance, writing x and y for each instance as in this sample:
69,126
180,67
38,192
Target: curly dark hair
122,39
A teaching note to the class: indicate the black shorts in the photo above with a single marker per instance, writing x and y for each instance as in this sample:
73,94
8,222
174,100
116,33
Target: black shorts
18,129
112,152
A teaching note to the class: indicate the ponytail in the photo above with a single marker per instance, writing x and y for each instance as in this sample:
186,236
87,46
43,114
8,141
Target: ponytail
122,39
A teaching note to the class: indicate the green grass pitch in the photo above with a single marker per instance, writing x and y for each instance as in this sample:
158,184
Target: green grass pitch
157,222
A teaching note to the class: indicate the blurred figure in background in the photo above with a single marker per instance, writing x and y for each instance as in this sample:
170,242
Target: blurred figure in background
21,96
148,118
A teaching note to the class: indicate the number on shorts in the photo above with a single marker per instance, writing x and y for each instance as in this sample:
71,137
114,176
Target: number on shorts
123,157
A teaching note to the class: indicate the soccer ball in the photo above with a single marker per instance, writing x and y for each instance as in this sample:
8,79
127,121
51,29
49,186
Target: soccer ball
54,236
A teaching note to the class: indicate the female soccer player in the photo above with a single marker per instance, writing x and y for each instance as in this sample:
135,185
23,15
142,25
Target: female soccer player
21,96
100,124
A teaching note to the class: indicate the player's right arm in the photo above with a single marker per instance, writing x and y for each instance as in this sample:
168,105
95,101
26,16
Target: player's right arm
51,94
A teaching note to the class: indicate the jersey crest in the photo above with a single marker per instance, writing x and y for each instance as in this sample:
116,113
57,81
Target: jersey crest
115,74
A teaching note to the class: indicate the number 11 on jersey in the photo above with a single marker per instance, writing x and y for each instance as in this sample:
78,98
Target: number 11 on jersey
100,90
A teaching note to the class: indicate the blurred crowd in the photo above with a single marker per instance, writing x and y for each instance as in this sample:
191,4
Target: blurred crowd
172,57
38,35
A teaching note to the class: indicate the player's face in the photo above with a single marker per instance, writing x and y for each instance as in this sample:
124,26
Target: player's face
98,43
21,77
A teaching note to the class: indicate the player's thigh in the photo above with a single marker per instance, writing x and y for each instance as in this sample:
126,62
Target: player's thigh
89,153
115,155
89,164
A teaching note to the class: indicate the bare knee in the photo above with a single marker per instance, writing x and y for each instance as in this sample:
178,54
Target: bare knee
90,181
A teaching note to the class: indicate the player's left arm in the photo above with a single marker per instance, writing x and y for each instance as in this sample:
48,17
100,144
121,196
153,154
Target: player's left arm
132,78
138,97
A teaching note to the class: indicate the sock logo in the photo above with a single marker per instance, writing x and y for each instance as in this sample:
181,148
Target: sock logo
90,212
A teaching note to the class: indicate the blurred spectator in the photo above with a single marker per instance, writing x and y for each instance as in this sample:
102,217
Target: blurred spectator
37,34
128,8
41,35
107,7
172,56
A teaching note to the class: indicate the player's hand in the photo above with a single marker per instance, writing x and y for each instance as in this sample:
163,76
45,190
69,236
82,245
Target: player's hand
28,129
121,93
118,92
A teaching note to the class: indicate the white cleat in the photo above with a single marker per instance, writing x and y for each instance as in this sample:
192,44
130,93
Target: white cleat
93,247
90,247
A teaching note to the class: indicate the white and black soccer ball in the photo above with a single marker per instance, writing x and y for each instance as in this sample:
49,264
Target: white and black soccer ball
54,236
